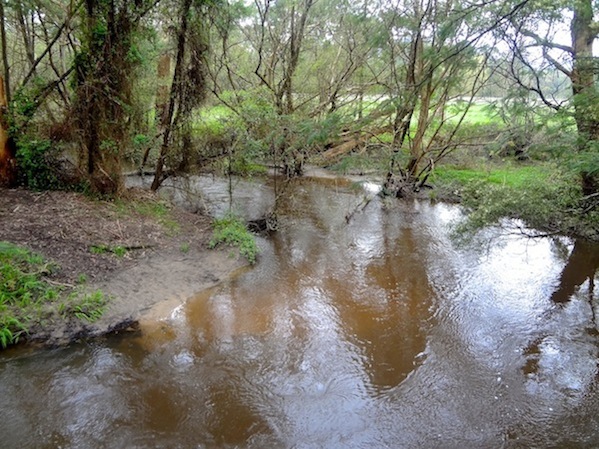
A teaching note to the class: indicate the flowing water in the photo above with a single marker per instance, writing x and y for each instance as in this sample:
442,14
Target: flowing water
377,333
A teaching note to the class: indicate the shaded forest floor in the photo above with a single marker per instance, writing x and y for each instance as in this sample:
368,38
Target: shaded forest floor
139,252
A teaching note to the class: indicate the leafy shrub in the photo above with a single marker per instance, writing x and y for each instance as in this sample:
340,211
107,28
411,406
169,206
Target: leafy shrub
38,165
231,231
550,206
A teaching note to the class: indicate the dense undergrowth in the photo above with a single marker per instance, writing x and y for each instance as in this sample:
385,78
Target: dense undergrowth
29,298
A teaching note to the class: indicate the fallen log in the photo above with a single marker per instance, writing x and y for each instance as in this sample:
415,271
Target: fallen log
353,141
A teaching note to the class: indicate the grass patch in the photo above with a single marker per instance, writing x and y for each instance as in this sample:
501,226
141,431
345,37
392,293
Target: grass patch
118,251
99,249
87,307
231,231
28,298
543,197
477,114
510,176
157,210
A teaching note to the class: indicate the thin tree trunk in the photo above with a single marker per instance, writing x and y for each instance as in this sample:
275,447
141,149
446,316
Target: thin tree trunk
168,123
25,33
8,163
6,84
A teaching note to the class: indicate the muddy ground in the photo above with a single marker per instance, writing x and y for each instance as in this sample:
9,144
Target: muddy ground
167,258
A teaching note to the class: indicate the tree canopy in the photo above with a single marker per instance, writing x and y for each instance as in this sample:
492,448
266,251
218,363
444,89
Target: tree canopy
105,85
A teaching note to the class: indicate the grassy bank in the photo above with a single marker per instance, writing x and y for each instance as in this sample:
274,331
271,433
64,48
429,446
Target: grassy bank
29,298
546,197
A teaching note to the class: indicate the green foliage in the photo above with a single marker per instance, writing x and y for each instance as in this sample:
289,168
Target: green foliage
25,103
230,230
27,297
82,278
549,202
243,165
87,307
141,141
585,161
10,330
36,160
23,290
118,251
21,272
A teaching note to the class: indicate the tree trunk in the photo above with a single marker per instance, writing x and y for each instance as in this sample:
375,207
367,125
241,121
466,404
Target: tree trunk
104,92
163,73
8,163
6,68
169,117
584,89
583,71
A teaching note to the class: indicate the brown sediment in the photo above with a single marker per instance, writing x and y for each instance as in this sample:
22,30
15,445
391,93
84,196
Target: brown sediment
161,264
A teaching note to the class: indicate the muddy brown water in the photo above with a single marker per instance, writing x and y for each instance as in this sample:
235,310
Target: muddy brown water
380,333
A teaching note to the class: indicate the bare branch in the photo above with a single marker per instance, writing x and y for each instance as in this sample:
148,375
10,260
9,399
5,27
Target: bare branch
51,44
545,43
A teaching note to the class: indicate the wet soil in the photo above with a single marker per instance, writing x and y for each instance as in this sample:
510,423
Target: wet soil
167,258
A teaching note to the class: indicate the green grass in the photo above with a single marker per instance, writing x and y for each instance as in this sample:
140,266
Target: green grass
544,196
87,307
231,231
478,114
512,176
27,297
118,251
158,210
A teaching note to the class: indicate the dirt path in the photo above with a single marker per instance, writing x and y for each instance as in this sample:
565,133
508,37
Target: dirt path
168,258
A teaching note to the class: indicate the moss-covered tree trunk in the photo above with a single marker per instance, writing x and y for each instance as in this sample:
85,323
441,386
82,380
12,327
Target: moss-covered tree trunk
187,91
103,89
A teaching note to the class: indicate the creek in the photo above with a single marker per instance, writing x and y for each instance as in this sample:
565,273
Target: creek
377,333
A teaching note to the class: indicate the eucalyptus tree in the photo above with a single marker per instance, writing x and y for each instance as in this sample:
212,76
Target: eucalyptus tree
435,57
278,38
104,69
302,82
559,36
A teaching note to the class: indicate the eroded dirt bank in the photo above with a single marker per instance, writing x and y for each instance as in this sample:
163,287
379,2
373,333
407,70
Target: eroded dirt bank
166,258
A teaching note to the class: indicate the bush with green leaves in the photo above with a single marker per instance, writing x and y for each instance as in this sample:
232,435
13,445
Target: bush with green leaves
554,204
38,165
232,231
